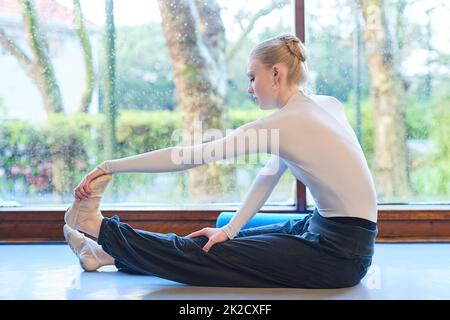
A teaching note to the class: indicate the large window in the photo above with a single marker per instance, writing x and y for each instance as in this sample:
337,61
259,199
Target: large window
388,62
58,118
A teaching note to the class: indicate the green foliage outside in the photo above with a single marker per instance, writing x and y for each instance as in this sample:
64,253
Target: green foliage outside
28,150
432,178
144,75
427,122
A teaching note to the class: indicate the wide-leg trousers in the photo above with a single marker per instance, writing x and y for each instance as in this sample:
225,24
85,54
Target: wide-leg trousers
314,252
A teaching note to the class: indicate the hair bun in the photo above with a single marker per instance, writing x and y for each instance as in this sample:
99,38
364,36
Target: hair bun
294,45
289,38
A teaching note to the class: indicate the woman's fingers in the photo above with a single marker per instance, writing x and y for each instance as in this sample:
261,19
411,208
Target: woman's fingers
208,245
78,195
214,235
85,187
196,234
218,237
82,190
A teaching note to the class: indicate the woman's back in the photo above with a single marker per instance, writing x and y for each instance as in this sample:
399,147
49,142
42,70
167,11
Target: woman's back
320,148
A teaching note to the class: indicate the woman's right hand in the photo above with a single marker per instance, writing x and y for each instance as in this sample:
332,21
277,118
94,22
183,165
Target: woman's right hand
82,191
215,235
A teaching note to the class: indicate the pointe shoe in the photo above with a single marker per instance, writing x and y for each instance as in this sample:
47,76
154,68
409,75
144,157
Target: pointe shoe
82,210
83,247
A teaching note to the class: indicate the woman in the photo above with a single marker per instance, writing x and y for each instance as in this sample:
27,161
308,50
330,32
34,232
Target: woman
330,248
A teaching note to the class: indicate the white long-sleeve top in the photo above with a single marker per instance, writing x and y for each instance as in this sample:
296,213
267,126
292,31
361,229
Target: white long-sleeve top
315,141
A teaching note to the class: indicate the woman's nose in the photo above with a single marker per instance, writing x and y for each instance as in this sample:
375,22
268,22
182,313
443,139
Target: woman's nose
250,89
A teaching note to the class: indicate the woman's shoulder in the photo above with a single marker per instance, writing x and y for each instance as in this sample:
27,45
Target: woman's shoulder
325,98
328,102
266,122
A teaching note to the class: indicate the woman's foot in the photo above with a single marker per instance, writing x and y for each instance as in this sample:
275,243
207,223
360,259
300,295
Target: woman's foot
90,253
84,215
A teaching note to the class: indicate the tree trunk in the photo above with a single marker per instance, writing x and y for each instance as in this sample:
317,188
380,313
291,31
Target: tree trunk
195,37
357,74
109,91
80,28
43,73
44,76
390,152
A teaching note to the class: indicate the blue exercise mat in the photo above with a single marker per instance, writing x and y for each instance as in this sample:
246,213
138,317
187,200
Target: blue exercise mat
259,219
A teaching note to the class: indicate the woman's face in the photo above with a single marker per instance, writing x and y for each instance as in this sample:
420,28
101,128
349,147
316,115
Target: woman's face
261,84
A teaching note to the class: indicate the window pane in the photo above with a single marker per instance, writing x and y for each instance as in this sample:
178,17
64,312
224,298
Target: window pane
394,83
54,121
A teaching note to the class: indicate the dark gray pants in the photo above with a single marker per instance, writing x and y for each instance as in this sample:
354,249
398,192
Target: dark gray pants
313,252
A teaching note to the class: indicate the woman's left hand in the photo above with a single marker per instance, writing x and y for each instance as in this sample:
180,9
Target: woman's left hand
215,235
82,191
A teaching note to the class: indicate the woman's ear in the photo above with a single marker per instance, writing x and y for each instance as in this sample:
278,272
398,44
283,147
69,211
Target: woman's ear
276,75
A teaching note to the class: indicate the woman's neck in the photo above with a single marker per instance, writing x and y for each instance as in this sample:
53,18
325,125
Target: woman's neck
285,95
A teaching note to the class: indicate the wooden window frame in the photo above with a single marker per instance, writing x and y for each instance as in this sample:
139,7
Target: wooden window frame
396,223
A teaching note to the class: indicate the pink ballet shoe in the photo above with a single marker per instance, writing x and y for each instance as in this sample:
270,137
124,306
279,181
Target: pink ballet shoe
82,210
84,248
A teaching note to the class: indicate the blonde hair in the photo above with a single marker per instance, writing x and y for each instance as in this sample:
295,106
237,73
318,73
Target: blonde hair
288,50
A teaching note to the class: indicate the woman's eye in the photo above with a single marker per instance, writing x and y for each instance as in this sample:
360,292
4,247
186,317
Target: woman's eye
251,79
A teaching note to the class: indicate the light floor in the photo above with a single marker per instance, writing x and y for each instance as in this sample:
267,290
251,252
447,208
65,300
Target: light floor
51,271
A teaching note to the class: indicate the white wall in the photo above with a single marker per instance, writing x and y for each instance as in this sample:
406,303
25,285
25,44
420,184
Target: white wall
19,93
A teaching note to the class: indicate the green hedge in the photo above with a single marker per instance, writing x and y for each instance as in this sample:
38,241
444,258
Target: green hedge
427,120
28,151
433,177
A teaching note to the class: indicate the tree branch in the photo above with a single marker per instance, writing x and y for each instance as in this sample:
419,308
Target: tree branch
277,4
80,29
16,51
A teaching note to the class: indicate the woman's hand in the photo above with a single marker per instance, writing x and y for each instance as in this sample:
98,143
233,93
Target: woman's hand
82,191
215,235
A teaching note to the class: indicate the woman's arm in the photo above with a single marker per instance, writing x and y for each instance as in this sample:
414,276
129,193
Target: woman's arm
247,139
257,195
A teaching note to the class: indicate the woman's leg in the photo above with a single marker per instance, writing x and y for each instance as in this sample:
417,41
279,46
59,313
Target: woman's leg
293,226
296,226
264,260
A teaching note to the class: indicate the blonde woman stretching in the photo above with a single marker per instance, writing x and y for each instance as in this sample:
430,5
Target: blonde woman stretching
330,248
